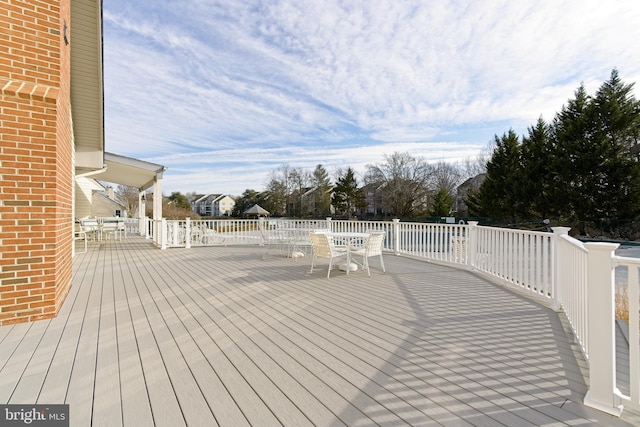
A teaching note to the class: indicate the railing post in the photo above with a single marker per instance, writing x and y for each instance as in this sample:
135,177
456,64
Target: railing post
163,233
602,394
329,225
396,236
187,233
558,262
472,244
145,227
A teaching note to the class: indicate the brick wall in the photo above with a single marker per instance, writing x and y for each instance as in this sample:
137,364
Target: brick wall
36,171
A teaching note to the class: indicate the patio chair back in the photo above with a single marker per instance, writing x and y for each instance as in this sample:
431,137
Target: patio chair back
372,247
323,247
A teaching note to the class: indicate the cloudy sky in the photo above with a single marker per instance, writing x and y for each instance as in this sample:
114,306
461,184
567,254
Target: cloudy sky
223,92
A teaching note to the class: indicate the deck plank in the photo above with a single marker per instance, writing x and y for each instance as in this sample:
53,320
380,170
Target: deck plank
168,363
81,387
225,336
19,354
107,400
253,406
136,407
33,378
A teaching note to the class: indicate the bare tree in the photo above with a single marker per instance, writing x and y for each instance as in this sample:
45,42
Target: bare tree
404,179
298,182
278,190
446,177
472,167
127,196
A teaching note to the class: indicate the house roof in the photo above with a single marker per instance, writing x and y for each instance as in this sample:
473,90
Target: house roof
108,199
210,197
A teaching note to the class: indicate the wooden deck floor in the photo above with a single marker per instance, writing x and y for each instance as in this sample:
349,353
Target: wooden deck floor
219,336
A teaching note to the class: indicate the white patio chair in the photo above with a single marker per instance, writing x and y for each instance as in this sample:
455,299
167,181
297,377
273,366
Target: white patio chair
372,246
323,247
299,243
91,228
274,237
212,237
110,227
78,235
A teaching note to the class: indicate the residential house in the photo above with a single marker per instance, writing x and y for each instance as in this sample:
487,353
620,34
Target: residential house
373,196
94,199
212,204
306,202
104,204
471,184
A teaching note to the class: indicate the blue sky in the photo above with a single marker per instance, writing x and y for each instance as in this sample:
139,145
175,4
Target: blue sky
224,92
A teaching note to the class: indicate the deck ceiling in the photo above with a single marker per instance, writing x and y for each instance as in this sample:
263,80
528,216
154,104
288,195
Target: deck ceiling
128,171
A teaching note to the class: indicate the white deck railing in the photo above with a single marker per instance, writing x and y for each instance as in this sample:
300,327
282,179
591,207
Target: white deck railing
629,269
575,278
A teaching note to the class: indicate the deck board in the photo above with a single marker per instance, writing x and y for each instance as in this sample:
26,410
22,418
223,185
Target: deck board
225,336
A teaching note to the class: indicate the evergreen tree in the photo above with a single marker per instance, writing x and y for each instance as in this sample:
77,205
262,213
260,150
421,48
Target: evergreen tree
347,197
617,115
180,200
442,203
581,168
596,165
538,182
575,159
499,196
322,195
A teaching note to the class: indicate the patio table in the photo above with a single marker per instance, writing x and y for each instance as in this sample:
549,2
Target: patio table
349,239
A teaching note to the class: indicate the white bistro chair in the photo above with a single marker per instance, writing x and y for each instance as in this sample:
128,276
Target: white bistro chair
322,247
372,247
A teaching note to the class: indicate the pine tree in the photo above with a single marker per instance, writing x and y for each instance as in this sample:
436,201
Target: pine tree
322,194
499,196
538,183
347,197
574,161
442,203
599,174
617,115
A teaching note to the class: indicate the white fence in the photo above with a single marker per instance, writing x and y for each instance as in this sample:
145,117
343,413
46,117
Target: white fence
578,279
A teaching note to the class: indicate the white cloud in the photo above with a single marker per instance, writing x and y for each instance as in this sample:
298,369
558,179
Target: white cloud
224,92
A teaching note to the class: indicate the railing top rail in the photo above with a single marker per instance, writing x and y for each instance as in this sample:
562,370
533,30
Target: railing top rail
573,242
625,261
516,230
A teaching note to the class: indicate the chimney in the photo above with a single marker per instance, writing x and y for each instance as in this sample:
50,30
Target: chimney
111,195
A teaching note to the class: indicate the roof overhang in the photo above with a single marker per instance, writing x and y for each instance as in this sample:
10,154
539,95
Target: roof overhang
87,93
127,171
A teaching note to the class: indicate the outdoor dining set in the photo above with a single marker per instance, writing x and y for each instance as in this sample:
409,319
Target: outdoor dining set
98,229
349,251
